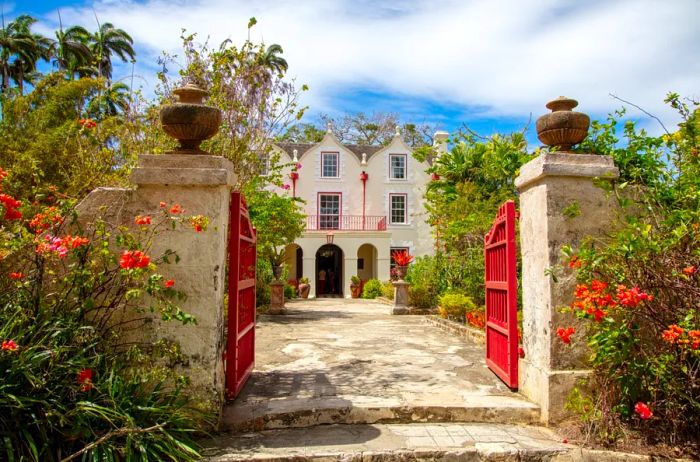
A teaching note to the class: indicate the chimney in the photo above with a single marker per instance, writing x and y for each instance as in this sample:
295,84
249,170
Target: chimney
440,141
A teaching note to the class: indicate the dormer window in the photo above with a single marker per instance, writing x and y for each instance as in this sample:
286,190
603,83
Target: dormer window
397,166
330,165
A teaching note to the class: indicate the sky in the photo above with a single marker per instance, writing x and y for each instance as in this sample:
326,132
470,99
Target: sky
489,64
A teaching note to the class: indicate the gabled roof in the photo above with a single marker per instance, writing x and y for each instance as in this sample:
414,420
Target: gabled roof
356,149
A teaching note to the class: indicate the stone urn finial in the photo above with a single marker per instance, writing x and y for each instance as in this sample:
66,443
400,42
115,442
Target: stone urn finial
562,128
188,120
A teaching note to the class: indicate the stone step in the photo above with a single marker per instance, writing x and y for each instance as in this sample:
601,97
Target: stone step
389,442
299,413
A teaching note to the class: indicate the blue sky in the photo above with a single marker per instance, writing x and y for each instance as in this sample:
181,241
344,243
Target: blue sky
488,64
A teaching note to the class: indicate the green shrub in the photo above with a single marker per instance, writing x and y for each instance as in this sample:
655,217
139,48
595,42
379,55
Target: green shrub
263,278
422,297
388,290
73,380
455,306
355,280
290,292
372,289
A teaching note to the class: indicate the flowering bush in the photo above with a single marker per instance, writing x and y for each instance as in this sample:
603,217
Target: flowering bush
640,293
75,380
476,318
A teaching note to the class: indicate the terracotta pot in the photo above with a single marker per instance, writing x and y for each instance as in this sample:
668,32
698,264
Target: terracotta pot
355,290
563,127
304,290
189,121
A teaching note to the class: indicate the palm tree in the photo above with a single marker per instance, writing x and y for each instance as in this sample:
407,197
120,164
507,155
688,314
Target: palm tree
110,102
272,60
71,50
108,40
16,41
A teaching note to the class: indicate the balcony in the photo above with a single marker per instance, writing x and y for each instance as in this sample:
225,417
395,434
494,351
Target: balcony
345,223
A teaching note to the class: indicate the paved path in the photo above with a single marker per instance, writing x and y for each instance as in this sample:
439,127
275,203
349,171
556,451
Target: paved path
349,361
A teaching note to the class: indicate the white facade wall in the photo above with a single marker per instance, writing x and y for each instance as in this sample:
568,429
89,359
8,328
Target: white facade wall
415,235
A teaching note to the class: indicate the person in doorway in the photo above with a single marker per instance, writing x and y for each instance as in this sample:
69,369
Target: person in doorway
331,281
322,282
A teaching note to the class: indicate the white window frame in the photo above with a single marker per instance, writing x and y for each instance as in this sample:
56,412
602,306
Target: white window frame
405,167
265,161
337,164
391,208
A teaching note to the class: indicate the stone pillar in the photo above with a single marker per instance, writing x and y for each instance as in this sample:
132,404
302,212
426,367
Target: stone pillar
310,272
400,297
349,270
559,205
277,298
201,184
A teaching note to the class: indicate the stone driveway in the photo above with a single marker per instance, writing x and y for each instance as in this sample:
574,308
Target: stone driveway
349,361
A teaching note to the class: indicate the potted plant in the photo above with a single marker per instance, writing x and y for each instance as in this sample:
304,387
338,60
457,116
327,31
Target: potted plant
355,287
276,259
304,287
402,259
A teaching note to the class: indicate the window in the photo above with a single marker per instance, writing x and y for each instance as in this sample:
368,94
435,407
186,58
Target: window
398,208
397,166
392,262
329,165
264,159
329,211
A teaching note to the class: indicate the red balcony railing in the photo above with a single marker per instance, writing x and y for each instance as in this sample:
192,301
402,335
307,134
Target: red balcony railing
345,223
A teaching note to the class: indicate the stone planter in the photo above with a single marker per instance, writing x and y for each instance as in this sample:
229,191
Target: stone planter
562,128
401,272
304,290
277,272
189,121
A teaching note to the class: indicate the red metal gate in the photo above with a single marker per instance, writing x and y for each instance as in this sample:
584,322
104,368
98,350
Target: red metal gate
501,296
240,341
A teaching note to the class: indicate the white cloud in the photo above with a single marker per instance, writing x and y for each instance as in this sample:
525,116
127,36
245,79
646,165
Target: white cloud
506,58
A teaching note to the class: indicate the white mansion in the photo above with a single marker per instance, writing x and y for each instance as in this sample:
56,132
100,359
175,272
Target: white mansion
362,203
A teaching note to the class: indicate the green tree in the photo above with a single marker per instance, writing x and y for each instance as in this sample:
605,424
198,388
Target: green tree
16,43
71,49
271,58
113,100
107,41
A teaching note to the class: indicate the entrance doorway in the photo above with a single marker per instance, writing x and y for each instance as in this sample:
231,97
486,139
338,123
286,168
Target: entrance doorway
329,271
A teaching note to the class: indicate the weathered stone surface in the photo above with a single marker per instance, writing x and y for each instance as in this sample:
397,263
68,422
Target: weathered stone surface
468,333
201,185
400,297
347,361
392,442
559,205
277,298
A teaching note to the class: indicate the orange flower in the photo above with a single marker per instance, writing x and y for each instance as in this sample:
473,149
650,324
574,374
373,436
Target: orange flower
176,209
575,262
631,297
672,334
689,270
169,283
142,220
162,205
16,276
694,335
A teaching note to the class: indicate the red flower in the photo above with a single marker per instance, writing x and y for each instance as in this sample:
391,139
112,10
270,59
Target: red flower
16,276
131,259
401,257
565,334
521,352
695,339
176,209
643,410
598,286
87,123
162,205
631,297
85,379
598,314
142,220
198,228
169,283
689,270
9,345
285,187
672,334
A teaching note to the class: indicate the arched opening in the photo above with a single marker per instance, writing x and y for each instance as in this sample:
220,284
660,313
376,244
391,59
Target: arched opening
367,262
294,259
329,271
